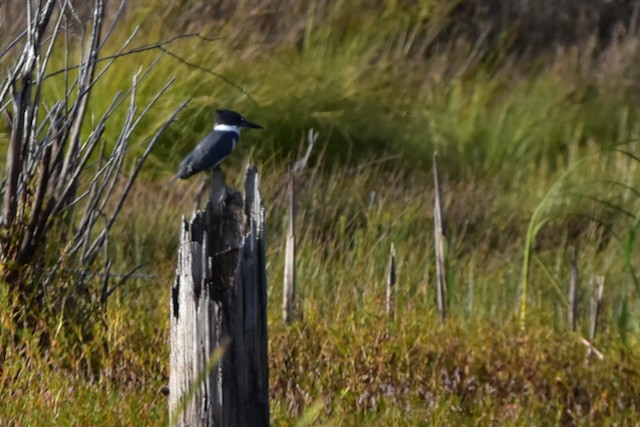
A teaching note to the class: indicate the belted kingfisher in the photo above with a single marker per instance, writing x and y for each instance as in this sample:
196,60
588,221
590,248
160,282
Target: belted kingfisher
217,145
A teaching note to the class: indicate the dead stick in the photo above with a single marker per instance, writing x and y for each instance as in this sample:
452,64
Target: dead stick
391,281
289,293
573,289
439,242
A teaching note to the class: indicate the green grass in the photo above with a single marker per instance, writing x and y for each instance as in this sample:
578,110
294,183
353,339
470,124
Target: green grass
520,141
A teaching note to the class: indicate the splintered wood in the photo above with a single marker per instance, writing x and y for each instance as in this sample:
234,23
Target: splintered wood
219,371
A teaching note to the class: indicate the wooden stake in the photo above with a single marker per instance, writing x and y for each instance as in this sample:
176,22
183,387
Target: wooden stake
596,301
391,281
439,242
573,289
289,286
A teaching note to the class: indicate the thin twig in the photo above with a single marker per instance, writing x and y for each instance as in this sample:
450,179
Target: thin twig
591,350
139,49
99,240
213,73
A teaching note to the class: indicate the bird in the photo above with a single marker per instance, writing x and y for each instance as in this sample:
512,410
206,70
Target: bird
216,146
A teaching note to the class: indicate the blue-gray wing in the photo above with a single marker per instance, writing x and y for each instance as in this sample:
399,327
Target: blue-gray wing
208,153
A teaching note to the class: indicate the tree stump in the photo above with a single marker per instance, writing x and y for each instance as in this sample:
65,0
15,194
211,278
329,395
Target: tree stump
219,369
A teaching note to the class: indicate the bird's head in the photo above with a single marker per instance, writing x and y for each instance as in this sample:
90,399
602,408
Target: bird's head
231,118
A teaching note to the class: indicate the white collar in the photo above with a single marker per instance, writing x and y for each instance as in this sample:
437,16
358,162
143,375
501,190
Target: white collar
227,128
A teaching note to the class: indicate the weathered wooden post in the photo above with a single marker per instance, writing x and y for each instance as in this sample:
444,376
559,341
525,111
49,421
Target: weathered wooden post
573,290
289,288
219,301
438,233
391,281
596,301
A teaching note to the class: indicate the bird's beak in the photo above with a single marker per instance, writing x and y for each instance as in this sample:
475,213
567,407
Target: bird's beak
248,124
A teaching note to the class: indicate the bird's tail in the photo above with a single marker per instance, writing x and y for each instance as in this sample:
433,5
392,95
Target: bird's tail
171,182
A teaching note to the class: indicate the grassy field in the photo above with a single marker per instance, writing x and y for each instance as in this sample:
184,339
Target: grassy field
538,155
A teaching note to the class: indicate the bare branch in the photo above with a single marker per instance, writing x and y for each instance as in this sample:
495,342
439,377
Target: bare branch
100,239
49,161
140,49
84,80
301,163
213,73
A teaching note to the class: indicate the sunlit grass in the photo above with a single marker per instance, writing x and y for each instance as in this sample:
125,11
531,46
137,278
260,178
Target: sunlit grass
343,352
